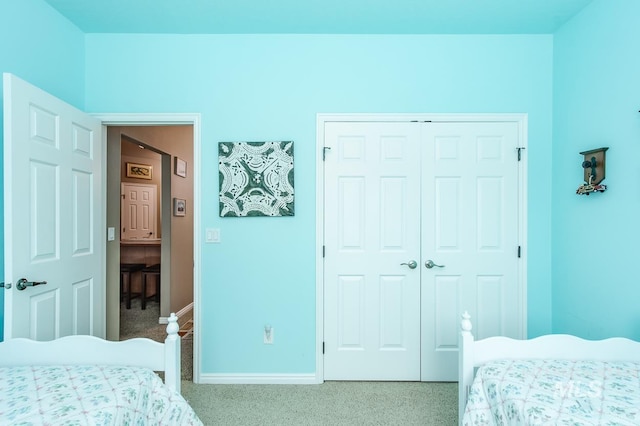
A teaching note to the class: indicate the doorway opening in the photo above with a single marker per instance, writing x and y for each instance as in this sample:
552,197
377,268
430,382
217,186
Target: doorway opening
141,255
154,146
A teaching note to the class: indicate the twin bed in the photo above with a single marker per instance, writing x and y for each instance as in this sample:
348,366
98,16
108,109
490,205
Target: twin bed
554,379
85,380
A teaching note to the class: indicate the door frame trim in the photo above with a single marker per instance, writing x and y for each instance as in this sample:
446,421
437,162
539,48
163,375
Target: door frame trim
168,119
521,119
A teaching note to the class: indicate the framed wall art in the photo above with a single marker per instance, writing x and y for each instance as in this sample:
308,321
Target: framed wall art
256,178
180,167
139,171
179,207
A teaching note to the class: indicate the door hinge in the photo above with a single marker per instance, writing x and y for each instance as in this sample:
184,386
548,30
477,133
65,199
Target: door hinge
323,251
324,152
519,149
519,251
322,348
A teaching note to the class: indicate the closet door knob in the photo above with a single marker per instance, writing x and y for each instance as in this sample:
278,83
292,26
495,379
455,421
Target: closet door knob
429,264
412,264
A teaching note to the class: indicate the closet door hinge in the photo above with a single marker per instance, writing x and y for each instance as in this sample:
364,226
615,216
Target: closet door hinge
519,251
322,348
323,251
324,152
519,149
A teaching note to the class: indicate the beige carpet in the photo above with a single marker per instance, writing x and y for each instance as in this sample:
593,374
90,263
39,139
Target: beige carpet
331,403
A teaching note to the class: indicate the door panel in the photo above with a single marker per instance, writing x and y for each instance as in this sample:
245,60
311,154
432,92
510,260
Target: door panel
53,216
372,301
470,226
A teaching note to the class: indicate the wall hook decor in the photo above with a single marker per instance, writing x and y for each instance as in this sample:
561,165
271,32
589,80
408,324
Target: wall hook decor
594,168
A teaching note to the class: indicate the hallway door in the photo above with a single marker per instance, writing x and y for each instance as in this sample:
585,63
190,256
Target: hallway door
138,212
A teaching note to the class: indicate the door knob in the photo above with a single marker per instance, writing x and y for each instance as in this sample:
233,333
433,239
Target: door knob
412,264
429,264
23,283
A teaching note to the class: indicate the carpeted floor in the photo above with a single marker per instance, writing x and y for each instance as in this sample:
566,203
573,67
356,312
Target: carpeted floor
331,403
136,322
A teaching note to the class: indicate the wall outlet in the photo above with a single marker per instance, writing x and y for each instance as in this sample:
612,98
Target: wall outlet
268,335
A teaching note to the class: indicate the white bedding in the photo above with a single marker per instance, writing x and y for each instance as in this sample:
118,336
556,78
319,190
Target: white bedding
89,395
557,392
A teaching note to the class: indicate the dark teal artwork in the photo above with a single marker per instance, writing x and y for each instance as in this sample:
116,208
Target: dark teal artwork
256,178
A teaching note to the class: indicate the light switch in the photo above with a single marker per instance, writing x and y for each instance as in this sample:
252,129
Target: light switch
111,233
212,235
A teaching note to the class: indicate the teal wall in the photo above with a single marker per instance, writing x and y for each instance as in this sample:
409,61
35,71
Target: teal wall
595,239
40,46
580,87
270,87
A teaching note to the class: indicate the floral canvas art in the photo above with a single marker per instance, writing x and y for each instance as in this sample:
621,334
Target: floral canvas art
256,178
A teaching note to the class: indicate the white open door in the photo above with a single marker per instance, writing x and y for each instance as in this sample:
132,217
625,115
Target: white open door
53,223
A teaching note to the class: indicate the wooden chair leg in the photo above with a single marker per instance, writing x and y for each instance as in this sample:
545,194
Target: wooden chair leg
143,296
158,288
128,296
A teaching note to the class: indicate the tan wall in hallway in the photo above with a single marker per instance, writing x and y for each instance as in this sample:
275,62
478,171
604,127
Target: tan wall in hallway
177,141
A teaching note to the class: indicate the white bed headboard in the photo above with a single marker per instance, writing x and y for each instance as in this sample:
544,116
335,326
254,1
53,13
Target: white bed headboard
85,350
474,353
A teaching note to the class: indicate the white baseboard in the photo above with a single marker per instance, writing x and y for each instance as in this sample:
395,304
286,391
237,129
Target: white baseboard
180,313
258,379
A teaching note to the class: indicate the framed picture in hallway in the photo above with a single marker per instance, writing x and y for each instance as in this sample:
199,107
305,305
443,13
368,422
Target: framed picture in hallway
139,171
180,167
179,207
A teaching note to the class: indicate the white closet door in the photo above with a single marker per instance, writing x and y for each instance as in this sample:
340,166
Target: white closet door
372,209
470,227
440,194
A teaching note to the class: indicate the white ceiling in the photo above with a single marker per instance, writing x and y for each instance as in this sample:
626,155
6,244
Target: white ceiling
319,16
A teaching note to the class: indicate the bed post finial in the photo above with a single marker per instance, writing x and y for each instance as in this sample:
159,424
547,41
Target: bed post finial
172,326
465,324
172,374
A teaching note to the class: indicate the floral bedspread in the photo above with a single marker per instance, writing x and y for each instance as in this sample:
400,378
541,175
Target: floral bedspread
554,392
89,395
